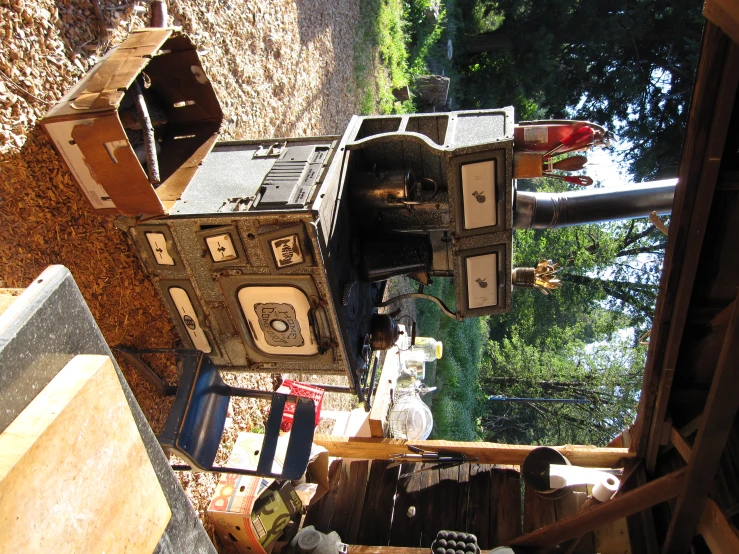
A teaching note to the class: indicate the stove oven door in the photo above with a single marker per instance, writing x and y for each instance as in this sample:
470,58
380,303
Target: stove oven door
279,317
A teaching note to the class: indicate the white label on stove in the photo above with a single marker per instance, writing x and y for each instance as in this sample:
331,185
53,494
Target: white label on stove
189,318
536,134
287,251
158,243
478,195
278,320
221,248
482,281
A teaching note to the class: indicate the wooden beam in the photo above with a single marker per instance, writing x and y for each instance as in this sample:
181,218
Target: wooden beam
710,442
641,524
624,505
723,104
373,448
676,285
720,535
680,444
724,14
722,318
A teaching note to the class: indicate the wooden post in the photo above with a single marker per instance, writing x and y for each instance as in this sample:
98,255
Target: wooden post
373,448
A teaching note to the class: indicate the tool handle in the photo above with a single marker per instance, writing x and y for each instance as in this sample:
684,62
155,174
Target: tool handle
573,163
582,180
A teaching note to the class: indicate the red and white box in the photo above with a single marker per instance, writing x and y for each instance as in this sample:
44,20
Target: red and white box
304,390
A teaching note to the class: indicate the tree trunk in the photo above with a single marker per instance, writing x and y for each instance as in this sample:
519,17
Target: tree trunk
431,89
484,42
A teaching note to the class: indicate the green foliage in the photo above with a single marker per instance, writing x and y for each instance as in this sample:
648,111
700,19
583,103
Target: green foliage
579,341
629,66
380,56
606,376
421,50
457,405
610,272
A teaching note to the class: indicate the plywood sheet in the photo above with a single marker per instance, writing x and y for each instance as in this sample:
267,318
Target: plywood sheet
74,472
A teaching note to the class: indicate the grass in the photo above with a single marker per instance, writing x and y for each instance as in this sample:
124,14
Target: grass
456,402
380,57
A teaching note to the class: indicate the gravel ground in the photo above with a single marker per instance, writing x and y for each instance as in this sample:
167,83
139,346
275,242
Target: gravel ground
280,68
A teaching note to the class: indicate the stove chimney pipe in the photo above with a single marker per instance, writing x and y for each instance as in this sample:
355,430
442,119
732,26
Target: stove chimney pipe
542,210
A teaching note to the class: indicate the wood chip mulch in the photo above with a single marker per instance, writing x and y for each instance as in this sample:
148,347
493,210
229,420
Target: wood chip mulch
280,68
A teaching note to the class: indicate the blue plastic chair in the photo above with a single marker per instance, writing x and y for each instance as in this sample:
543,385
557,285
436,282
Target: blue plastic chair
194,427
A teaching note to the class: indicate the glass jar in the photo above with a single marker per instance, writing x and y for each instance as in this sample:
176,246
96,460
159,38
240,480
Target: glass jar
429,348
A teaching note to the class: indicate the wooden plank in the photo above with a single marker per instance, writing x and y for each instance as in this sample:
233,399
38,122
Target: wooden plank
710,441
383,394
720,535
508,524
319,514
357,549
443,497
569,505
722,318
478,520
684,431
463,497
430,510
612,538
644,497
375,448
680,444
538,512
349,499
74,472
407,528
675,286
642,534
724,14
378,504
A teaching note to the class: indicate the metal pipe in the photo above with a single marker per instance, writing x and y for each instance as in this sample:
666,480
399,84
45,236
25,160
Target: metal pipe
541,210
159,14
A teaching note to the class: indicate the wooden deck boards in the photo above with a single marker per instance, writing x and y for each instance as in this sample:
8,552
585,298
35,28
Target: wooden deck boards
409,511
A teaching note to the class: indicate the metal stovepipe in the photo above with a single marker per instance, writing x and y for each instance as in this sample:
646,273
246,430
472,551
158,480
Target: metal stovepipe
543,210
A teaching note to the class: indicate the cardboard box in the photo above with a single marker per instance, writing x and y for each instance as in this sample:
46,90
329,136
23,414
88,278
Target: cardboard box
86,129
243,529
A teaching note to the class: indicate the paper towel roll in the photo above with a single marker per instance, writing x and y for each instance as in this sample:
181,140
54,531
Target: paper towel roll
606,488
562,476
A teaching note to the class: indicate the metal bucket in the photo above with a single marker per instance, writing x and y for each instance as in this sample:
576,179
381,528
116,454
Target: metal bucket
535,471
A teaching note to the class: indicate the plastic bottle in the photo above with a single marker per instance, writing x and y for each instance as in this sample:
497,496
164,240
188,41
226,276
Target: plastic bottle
429,348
